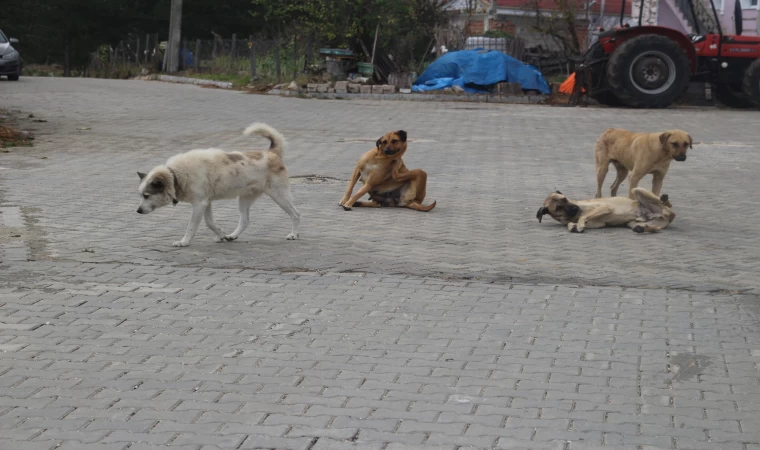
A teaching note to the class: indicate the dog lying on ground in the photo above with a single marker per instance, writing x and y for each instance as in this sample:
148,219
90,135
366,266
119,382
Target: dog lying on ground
646,213
640,154
386,178
202,176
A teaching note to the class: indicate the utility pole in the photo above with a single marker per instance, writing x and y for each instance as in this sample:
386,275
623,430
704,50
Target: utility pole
175,35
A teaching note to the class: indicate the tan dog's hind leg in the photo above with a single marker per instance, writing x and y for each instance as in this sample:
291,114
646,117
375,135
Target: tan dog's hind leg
417,182
622,173
652,206
591,220
602,163
601,173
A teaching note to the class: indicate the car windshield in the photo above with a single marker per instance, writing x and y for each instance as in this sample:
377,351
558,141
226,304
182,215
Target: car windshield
3,39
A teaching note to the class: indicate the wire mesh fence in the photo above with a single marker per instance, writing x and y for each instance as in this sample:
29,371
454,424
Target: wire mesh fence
267,59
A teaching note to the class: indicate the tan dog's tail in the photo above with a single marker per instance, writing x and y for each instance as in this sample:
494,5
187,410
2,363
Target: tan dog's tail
420,207
276,140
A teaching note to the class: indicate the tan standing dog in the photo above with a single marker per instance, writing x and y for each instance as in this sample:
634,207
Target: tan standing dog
386,178
640,154
646,213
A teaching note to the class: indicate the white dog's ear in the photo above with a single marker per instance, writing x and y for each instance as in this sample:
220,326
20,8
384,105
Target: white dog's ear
664,137
142,175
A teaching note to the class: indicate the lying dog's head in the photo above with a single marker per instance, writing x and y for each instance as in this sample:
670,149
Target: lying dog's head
157,189
559,207
675,143
392,144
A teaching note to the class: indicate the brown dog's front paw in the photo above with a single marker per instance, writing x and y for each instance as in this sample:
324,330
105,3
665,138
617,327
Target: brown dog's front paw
346,207
575,228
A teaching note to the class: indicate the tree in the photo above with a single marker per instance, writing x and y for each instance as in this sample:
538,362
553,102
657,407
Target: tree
559,24
406,27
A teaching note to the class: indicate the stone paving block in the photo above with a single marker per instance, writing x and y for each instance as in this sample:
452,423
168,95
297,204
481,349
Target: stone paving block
492,331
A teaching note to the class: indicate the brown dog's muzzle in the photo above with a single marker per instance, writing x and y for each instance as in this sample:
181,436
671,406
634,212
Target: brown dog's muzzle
542,211
681,157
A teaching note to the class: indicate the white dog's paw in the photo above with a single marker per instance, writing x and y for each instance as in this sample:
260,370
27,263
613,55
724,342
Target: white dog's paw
226,238
181,244
292,236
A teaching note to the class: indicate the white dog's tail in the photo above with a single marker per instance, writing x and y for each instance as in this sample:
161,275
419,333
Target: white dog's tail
277,141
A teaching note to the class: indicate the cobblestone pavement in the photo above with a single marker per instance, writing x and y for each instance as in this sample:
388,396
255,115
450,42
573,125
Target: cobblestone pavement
470,326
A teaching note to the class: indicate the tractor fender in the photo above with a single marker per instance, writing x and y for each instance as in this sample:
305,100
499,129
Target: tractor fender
612,40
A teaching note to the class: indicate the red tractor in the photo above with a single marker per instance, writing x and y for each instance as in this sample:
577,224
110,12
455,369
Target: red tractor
652,66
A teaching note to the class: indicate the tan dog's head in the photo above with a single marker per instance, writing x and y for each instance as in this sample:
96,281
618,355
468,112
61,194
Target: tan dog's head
676,142
559,207
157,189
392,144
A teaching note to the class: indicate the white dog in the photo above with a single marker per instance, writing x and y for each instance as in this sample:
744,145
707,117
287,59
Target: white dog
202,176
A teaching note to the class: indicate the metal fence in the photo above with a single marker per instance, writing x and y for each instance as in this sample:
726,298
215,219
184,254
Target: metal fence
257,58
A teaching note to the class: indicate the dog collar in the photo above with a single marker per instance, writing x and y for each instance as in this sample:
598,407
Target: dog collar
175,182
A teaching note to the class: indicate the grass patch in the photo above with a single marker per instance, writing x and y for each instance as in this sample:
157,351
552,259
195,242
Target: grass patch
11,137
238,81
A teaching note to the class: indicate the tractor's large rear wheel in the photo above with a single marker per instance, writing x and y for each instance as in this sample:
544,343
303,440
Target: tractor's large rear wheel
732,96
751,85
649,71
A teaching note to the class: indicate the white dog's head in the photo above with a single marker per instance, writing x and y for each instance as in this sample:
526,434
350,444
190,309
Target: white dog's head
158,188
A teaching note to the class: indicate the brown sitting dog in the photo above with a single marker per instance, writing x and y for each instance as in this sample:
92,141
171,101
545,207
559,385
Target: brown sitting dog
645,213
640,154
386,178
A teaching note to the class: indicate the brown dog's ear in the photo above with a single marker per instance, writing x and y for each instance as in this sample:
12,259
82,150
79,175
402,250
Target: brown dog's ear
142,175
558,192
691,142
377,143
541,212
401,135
664,138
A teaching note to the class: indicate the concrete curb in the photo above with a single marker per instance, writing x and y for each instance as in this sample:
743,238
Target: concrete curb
476,98
187,80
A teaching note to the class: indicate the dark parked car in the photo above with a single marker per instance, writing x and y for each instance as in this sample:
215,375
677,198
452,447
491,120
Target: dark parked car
10,60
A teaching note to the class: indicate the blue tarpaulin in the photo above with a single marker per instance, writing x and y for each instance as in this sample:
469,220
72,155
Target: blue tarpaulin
473,70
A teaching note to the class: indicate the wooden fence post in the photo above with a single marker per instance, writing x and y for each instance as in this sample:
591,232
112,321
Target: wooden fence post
232,52
155,48
183,55
295,56
137,51
252,56
197,59
277,66
147,47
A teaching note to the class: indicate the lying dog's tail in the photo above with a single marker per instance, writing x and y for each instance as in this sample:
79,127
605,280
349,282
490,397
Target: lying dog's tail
420,207
277,141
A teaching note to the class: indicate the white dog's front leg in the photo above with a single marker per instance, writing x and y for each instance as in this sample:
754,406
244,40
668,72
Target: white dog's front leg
192,227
